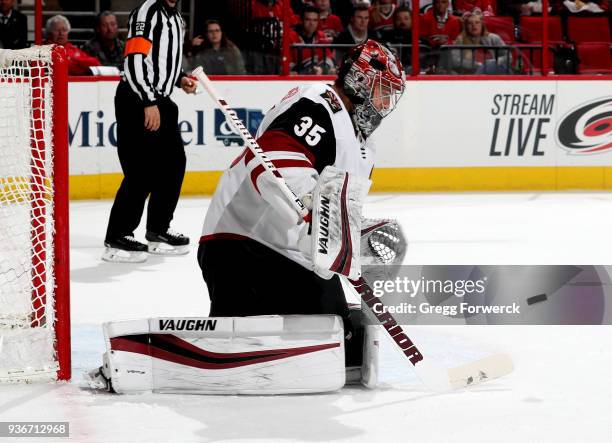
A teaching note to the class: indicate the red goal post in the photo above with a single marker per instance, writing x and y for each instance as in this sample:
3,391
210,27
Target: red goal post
34,227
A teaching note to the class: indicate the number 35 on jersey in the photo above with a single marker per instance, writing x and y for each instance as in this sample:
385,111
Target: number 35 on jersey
311,133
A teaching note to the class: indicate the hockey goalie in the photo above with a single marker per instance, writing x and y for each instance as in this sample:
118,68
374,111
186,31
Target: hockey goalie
279,320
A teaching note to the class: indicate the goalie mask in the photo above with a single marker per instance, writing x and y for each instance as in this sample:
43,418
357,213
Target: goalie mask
371,75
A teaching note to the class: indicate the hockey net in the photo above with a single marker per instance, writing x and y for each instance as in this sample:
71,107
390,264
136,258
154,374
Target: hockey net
34,284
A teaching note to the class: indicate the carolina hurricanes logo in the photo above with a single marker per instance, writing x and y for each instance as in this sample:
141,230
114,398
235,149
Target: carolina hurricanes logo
587,129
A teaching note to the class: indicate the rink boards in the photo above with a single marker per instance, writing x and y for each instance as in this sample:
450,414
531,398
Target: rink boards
445,135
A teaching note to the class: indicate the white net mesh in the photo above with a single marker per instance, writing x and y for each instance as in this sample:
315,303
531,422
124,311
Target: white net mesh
26,216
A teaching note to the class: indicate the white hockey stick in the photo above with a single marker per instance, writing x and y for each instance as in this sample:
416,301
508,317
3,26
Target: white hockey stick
251,143
432,375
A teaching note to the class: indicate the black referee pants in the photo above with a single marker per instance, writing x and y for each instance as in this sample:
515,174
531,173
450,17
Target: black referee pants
153,165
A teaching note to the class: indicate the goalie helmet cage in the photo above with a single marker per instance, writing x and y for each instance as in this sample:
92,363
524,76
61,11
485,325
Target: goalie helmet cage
34,252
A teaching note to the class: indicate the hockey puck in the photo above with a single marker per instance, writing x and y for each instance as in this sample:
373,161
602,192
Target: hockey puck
536,299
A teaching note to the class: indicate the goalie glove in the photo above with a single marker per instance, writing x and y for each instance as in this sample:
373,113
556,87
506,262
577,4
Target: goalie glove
382,242
383,247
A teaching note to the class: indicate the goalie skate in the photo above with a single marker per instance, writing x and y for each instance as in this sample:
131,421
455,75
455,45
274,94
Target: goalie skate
125,250
168,243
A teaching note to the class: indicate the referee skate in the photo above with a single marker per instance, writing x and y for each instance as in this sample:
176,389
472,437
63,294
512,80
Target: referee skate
167,243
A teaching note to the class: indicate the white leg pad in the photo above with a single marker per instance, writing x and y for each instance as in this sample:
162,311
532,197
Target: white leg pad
367,373
369,368
226,355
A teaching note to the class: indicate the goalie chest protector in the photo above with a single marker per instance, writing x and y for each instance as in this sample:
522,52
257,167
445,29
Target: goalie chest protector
306,131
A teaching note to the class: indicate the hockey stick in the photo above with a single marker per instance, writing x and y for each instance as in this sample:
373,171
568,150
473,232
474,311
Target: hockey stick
433,376
251,143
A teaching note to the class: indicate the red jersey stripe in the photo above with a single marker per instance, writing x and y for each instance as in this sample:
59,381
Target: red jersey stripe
288,163
280,141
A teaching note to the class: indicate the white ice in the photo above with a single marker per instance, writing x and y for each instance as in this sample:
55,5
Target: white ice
560,391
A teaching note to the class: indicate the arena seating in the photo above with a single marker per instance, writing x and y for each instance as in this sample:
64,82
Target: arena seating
502,26
594,58
588,29
531,29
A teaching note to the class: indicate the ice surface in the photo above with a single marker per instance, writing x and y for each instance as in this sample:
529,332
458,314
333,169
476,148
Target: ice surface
560,391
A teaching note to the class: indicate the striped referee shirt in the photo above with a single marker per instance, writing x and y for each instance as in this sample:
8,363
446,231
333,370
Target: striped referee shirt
154,50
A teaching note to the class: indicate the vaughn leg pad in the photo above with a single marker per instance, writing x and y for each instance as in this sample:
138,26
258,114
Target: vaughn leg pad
226,355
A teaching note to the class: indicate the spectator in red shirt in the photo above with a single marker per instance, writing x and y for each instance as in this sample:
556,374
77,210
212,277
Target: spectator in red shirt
272,9
438,25
488,7
310,61
381,16
328,22
57,29
425,5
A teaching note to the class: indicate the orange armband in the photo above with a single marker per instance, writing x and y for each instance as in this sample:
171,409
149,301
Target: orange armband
138,45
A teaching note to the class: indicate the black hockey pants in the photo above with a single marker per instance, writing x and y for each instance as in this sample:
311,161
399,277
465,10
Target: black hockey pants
153,165
245,277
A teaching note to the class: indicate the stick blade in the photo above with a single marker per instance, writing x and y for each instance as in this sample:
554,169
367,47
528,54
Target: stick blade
480,371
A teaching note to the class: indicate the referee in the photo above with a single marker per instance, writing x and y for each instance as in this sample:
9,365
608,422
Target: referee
149,144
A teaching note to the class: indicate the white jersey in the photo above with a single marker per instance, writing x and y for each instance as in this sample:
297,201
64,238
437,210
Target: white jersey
308,130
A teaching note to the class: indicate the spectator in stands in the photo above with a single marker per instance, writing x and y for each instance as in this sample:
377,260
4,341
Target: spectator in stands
329,23
524,7
357,30
105,46
344,8
438,25
585,6
478,61
401,34
310,61
13,26
217,54
272,9
381,16
425,5
298,5
57,29
488,7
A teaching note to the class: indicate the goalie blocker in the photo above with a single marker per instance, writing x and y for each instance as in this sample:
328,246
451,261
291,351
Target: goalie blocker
231,355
